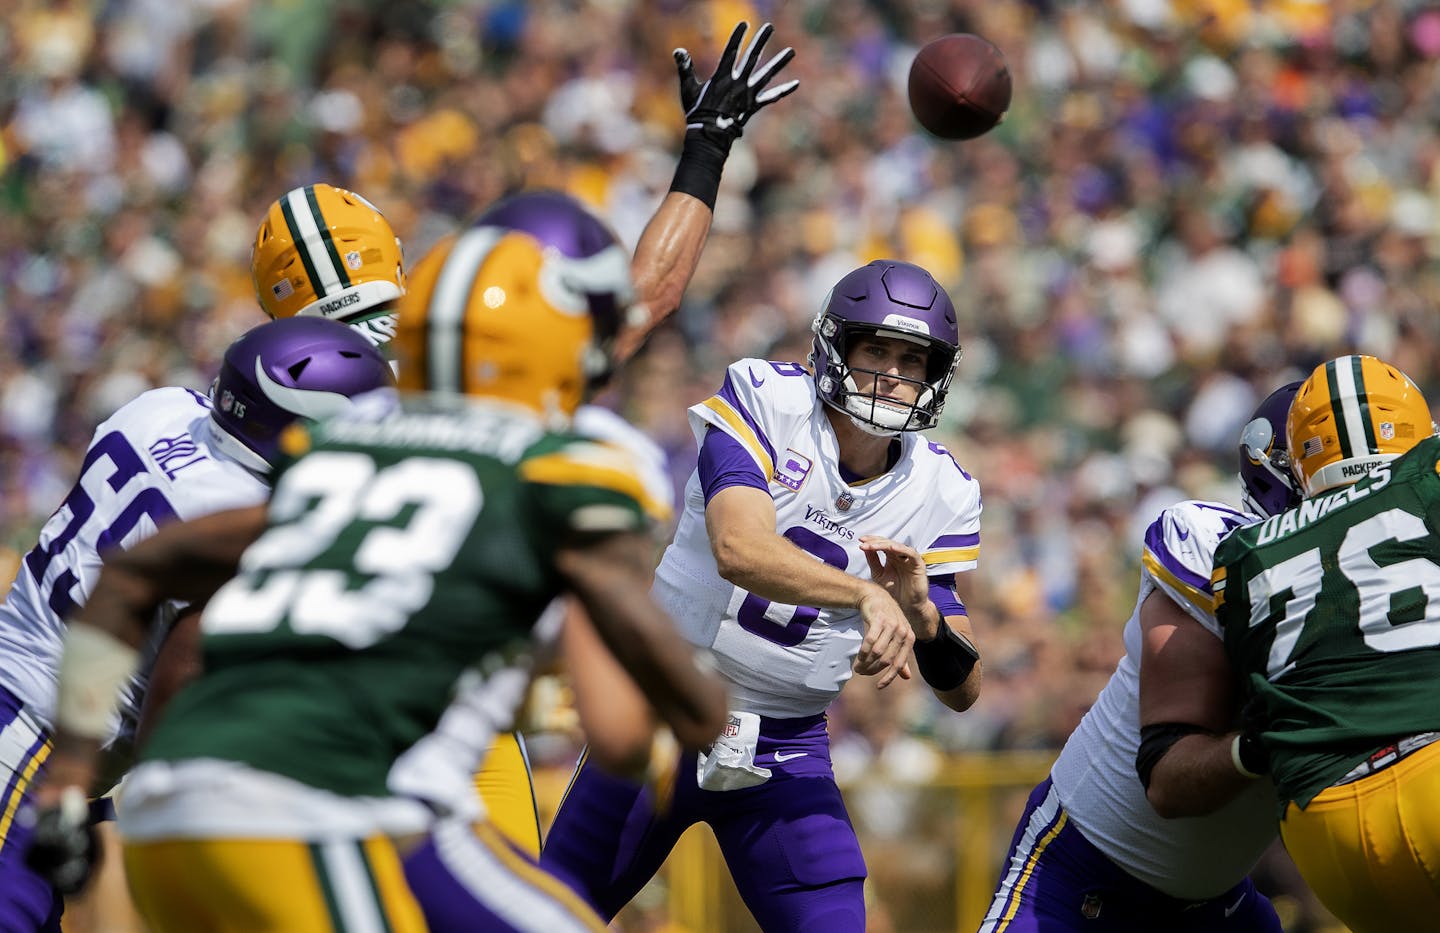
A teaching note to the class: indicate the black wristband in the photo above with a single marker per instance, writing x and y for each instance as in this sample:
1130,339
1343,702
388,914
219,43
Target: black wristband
1249,755
701,161
946,660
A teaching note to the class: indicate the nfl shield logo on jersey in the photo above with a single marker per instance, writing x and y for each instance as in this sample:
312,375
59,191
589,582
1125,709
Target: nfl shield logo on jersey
1387,430
352,259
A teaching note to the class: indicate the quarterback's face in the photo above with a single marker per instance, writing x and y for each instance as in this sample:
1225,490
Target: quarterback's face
896,368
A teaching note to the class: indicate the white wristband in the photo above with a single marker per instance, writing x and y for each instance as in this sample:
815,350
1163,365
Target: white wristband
92,671
1235,760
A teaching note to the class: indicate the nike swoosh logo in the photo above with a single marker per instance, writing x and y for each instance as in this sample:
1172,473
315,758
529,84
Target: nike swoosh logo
1183,534
1236,906
307,403
781,757
757,383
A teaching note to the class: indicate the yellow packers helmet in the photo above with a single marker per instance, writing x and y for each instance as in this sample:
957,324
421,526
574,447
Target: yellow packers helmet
522,306
326,252
1353,414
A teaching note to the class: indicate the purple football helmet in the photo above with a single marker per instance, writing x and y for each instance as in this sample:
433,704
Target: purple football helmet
588,269
891,299
296,367
1267,487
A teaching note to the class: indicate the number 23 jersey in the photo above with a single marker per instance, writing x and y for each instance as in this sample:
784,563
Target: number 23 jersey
788,661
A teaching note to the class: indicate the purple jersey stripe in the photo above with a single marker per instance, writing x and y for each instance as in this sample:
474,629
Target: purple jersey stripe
731,398
725,462
954,541
942,594
1155,544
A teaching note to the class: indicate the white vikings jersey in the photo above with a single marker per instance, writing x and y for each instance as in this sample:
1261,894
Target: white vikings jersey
440,767
150,463
1191,858
789,661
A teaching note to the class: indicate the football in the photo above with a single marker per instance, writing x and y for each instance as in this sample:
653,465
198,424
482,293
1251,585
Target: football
959,86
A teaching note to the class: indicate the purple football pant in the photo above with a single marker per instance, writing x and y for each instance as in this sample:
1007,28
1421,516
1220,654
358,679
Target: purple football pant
26,901
788,842
1071,885
469,878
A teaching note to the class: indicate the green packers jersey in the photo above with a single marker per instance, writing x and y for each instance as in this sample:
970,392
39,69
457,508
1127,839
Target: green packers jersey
401,554
1331,614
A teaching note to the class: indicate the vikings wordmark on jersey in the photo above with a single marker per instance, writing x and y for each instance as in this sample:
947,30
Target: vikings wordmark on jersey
790,661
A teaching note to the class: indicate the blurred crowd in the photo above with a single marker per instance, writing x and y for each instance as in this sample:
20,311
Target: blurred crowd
1189,203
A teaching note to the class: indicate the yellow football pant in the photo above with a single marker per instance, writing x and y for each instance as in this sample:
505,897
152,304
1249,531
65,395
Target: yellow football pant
504,785
270,886
1371,850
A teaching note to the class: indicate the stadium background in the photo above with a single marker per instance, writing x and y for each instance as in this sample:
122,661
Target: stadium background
1190,202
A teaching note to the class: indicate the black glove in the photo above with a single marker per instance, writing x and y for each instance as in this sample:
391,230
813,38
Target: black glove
720,108
63,849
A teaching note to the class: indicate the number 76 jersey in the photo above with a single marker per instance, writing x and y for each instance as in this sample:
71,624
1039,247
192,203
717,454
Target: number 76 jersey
1331,616
789,661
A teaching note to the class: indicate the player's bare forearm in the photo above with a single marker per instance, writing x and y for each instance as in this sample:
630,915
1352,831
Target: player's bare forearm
176,665
749,553
1196,776
665,260
611,578
186,560
620,739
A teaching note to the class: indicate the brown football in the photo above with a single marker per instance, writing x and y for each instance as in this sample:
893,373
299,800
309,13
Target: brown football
959,86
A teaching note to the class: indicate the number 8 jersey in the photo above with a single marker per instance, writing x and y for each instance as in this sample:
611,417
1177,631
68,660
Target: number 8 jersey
789,661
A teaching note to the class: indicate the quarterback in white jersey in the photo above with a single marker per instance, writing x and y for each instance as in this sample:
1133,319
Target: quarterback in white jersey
821,535
1090,852
786,661
171,454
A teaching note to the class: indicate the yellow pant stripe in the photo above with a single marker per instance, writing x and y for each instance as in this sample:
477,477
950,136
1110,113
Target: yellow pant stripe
276,885
22,783
507,789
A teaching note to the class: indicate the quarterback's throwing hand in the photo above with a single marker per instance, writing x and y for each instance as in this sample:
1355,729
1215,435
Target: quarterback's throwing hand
885,649
722,106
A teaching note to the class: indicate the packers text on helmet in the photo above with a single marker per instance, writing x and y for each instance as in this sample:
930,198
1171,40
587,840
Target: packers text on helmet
326,252
1353,414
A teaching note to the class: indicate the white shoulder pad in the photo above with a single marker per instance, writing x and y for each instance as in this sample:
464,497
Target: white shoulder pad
1180,551
156,412
954,544
604,425
759,401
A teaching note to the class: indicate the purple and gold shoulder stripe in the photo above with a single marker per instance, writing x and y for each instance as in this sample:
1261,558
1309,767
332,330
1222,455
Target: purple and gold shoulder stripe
1164,560
953,549
730,409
